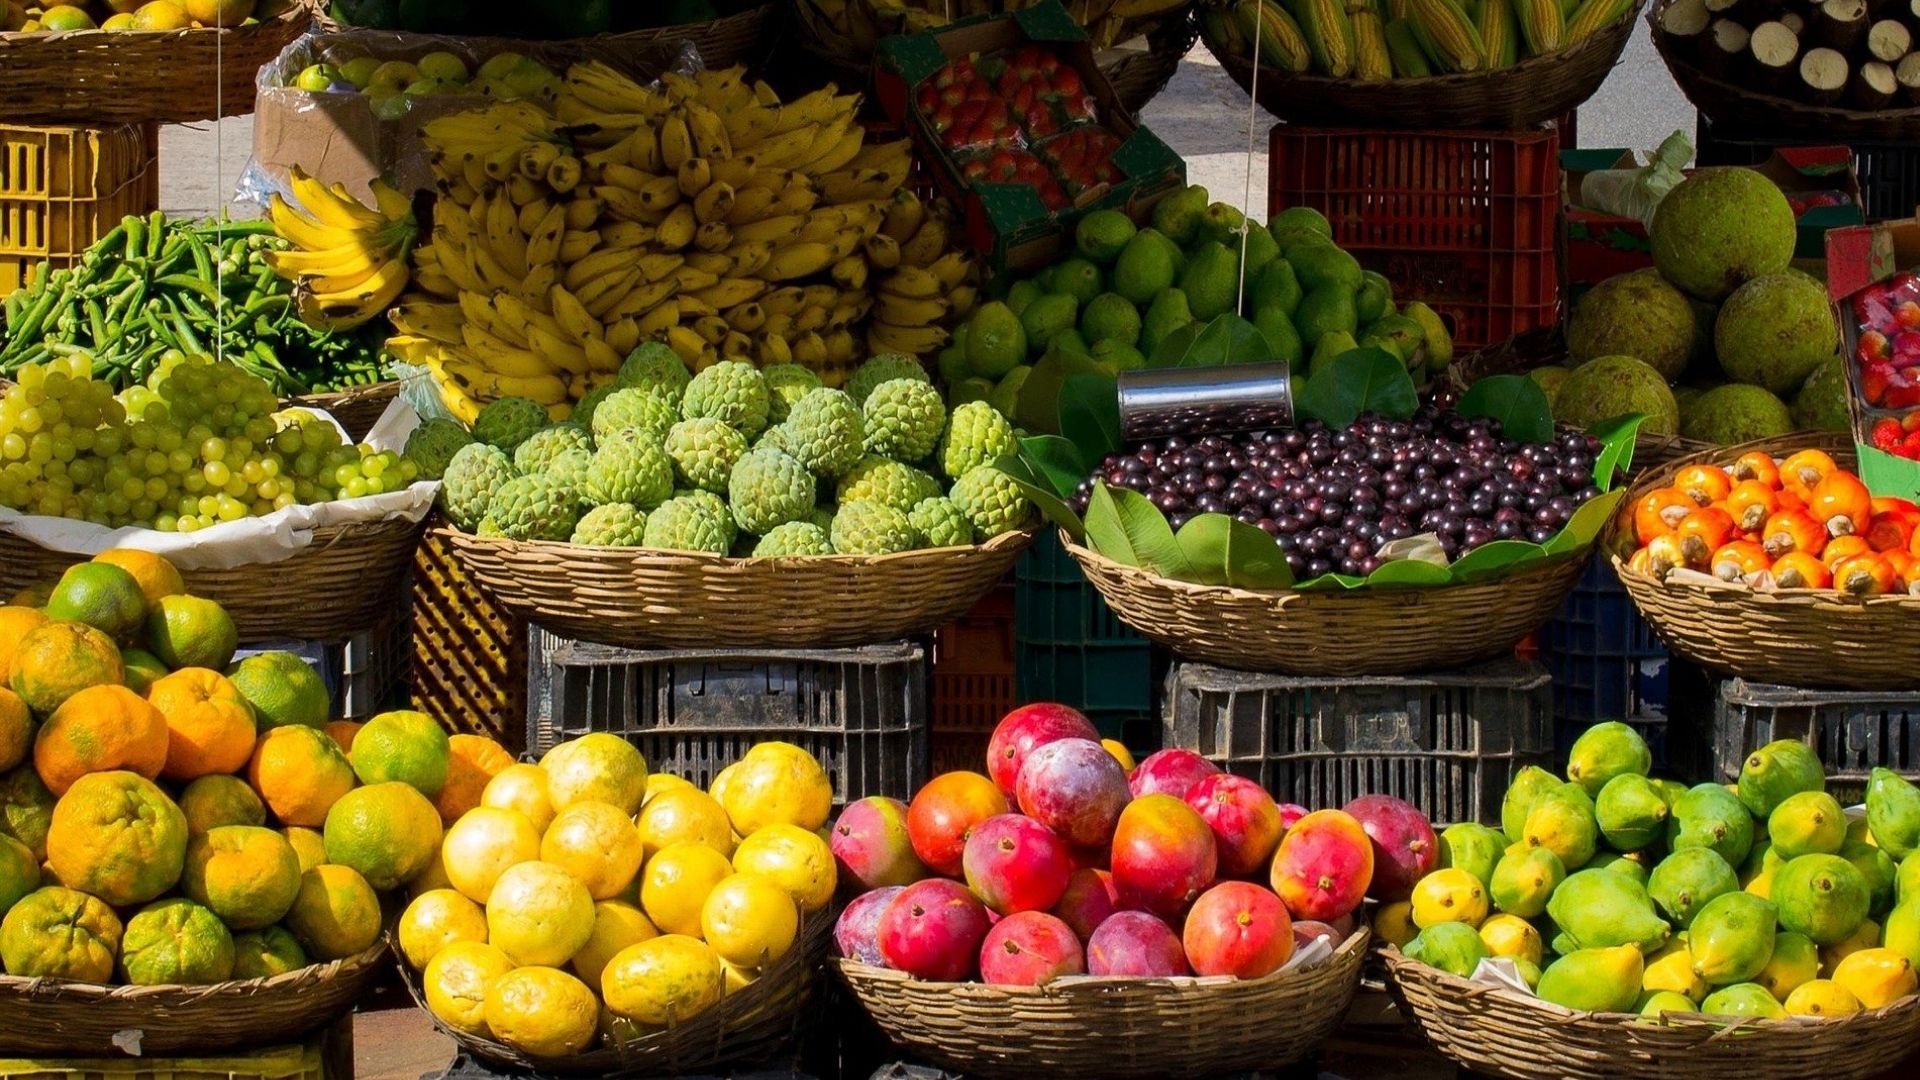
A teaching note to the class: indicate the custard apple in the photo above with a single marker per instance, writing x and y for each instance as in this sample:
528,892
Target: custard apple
653,366
648,410
869,528
824,432
612,525
773,438
732,392
822,516
904,419
885,367
474,473
769,488
630,467
507,422
685,524
991,501
976,435
715,505
793,538
704,452
569,470
433,444
940,523
541,447
890,483
534,508
786,384
583,409
489,529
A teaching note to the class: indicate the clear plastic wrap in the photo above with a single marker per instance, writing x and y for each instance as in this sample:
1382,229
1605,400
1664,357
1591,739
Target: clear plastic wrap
1636,193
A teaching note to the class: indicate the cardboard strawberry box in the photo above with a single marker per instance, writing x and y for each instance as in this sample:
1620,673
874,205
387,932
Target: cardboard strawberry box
1873,278
1021,130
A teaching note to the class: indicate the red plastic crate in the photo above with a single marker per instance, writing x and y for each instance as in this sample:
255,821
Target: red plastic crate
1463,221
972,686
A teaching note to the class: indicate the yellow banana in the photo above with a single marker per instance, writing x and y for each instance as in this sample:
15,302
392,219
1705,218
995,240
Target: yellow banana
602,357
684,342
950,269
797,261
640,299
693,176
572,316
557,350
545,238
729,292
654,322
908,340
501,357
900,311
575,246
926,245
903,216
747,317
331,208
676,141
749,205
713,236
771,349
623,336
850,272
583,212
714,202
774,230
677,230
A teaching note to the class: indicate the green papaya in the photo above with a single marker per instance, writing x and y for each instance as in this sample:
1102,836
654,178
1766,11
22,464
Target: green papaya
1275,289
1893,813
1781,768
1472,847
1708,815
1528,784
1688,880
1562,821
1452,947
1631,813
1743,999
1328,348
1605,751
1731,938
1373,298
1325,310
1318,265
1524,879
1601,909
1594,980
1282,339
1821,896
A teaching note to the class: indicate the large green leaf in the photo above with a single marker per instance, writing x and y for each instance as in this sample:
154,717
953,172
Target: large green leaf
1515,402
1040,490
1587,523
1489,560
1173,348
1204,541
1057,460
1616,447
1228,339
1329,582
1409,572
1125,527
1357,381
1090,414
1227,551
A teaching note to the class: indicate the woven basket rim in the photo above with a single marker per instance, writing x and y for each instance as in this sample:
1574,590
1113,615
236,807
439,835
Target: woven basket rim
332,532
668,559
14,39
1560,1014
317,399
1358,941
41,988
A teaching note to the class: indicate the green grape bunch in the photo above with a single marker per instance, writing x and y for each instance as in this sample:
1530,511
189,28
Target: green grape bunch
197,443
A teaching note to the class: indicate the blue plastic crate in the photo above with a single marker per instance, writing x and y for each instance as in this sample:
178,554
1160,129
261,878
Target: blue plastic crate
1606,663
1069,646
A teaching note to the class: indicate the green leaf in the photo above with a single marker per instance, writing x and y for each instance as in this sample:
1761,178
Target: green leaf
1228,339
1126,528
1204,541
1227,551
1055,460
1328,582
1616,447
1090,414
1489,560
1587,523
1361,380
1515,402
1040,490
1409,572
1173,347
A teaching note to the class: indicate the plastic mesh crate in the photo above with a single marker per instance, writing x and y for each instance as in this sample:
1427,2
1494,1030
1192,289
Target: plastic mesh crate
862,712
469,656
1448,742
1071,648
1889,172
972,685
1465,222
1852,732
62,188
1605,661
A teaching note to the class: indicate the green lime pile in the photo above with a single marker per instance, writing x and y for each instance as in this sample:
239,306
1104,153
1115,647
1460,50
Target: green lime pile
1125,290
1614,892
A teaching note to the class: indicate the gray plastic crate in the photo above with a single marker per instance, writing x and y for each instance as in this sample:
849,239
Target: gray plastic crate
1447,742
1853,732
862,712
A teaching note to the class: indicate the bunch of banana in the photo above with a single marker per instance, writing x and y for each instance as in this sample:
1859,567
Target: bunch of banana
920,286
348,263
852,28
1377,40
703,212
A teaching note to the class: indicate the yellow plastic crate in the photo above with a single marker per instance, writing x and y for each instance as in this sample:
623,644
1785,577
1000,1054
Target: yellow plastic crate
62,188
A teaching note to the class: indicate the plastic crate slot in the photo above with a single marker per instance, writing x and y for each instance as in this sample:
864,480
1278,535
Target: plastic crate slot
1852,732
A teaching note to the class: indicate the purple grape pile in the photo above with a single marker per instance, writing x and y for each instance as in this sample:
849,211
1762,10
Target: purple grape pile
1331,498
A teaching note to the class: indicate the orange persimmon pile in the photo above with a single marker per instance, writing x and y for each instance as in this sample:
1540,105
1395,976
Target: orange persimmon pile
1803,521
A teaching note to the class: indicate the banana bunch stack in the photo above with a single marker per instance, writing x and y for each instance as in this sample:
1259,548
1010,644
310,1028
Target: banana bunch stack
1377,40
706,214
849,29
348,263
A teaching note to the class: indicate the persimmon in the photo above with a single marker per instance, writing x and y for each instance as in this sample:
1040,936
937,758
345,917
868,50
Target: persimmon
1702,533
1864,575
1704,484
1751,502
1841,504
1660,512
1798,570
1757,466
1792,531
1736,559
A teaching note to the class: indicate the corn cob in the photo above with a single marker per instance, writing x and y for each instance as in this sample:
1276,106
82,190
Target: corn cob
1456,43
1371,62
1329,35
1221,27
1265,24
1396,9
1498,35
1543,23
1592,15
1409,61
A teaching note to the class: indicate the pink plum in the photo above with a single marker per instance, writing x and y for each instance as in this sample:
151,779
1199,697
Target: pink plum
932,930
1014,863
856,934
1137,944
1075,788
1029,948
1025,730
1244,818
1089,899
871,845
1171,772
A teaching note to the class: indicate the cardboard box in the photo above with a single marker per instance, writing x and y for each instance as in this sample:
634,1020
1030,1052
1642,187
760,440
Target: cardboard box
1601,245
337,138
1007,223
1858,258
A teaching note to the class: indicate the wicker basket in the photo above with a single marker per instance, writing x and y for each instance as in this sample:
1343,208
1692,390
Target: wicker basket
755,1024
1794,637
1369,631
356,408
1530,93
1113,1029
1503,1033
646,599
341,584
102,77
1738,108
53,1017
1548,346
741,38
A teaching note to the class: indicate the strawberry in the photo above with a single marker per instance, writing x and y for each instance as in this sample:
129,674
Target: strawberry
1887,435
1906,315
1875,379
1911,445
1873,345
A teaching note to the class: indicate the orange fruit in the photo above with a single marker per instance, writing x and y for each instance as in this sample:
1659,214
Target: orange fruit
388,832
472,761
60,933
143,670
101,595
601,767
793,858
308,846
482,845
685,814
16,623
342,733
749,921
16,729
186,631
456,982
674,885
776,783
26,809
665,980
175,942
213,801
117,836
97,730
435,920
245,874
160,15
209,725
616,925
262,954
543,1012
597,844
300,774
34,595
19,872
522,788
538,914
405,746
155,575
66,17
218,12
283,689
60,659
335,914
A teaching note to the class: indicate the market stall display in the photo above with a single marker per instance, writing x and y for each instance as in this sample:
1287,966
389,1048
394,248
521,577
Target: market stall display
1689,927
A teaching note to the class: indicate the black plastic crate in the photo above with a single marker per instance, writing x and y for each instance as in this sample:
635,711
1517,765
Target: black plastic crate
1447,742
1071,648
1889,172
1854,732
862,712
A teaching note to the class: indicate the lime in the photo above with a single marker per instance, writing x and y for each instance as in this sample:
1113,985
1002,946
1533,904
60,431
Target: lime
1101,234
996,340
1047,316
